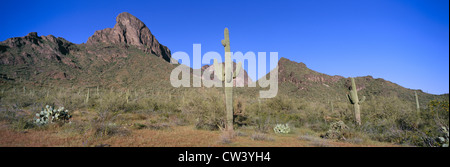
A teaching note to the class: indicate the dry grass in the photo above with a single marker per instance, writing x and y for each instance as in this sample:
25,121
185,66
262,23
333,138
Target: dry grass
261,137
180,136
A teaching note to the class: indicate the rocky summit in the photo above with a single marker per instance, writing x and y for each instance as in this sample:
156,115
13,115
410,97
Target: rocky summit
130,30
113,56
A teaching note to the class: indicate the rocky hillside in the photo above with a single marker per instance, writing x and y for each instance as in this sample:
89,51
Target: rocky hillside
297,80
127,53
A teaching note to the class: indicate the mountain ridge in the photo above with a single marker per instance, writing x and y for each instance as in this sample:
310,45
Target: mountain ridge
112,56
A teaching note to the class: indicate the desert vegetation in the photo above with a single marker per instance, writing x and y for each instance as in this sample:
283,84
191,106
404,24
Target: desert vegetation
101,114
114,90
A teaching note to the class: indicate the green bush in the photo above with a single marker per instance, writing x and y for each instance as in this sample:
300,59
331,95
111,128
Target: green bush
337,131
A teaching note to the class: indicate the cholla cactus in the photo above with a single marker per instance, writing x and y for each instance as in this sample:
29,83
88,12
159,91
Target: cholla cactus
282,128
50,114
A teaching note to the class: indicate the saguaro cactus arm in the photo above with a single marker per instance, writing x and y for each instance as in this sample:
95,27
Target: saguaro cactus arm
218,70
226,72
349,98
238,70
362,100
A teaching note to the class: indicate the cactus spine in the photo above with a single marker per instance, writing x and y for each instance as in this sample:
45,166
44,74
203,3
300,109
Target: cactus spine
226,74
417,102
353,98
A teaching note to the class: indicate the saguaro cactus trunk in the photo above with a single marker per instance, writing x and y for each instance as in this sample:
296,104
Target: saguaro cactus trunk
353,98
417,102
87,97
226,74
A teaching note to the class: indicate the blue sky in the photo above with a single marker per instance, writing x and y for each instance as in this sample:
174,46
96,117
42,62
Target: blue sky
403,41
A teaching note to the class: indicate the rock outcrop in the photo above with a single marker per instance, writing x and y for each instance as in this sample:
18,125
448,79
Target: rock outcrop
31,48
132,31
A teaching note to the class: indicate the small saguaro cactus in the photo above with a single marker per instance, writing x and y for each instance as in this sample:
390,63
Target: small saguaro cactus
87,97
127,95
332,107
353,98
226,74
417,102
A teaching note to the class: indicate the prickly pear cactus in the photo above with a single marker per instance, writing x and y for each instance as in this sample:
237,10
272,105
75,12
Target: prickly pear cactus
353,98
50,114
443,141
227,74
282,128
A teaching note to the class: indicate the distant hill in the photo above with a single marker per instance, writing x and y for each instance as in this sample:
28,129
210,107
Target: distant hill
297,80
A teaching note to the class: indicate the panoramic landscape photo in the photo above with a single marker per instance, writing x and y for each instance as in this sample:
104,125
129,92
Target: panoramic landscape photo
325,73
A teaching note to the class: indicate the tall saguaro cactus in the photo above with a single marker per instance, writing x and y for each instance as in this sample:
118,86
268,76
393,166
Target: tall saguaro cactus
353,98
417,102
226,74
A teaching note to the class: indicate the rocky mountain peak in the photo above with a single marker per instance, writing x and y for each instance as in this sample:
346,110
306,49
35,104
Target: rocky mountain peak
132,31
32,34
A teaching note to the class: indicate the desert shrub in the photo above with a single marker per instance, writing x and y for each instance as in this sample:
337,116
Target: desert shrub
354,140
8,114
112,102
139,126
307,137
75,128
148,104
18,121
208,111
158,126
262,124
240,133
258,117
279,108
22,124
17,98
320,143
65,97
167,106
261,137
109,129
103,125
227,137
240,116
337,131
433,126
